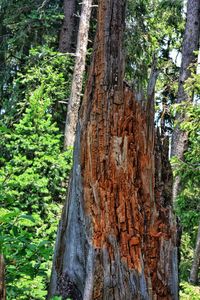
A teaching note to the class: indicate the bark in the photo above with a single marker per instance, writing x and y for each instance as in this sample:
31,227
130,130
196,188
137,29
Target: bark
2,278
190,44
68,34
196,261
75,97
117,236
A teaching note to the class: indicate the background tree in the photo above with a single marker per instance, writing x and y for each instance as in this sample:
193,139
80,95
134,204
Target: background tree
189,57
187,203
79,68
196,260
154,29
181,142
69,29
25,25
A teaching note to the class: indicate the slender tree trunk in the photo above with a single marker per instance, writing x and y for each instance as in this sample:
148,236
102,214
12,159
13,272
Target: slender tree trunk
2,278
196,261
117,236
69,30
190,44
74,102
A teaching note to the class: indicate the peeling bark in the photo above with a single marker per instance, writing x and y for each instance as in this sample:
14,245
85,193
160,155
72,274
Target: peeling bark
190,44
2,278
117,236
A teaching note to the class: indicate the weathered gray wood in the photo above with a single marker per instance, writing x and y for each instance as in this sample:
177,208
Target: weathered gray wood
79,68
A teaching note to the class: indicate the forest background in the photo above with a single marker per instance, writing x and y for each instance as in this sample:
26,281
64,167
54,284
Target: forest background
35,83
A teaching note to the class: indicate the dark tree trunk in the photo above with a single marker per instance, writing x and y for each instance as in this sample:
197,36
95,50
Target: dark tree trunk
2,278
69,30
190,44
117,236
196,261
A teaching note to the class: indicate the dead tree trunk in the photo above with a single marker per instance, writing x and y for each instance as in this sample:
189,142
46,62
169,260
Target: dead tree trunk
117,236
190,44
79,68
2,278
196,261
68,34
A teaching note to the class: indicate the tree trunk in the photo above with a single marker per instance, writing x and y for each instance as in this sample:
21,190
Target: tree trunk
74,102
68,34
190,44
196,261
2,278
117,236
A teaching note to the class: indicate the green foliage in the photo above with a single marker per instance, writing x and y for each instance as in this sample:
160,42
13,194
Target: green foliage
32,188
187,204
154,28
35,84
49,69
192,85
25,24
189,170
153,40
189,292
186,256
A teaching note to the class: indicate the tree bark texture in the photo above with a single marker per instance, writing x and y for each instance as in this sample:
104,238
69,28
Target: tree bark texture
68,34
79,68
190,44
196,261
117,236
2,278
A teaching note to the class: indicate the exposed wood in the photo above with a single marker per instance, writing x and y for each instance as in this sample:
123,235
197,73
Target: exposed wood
196,261
79,68
190,44
2,278
117,236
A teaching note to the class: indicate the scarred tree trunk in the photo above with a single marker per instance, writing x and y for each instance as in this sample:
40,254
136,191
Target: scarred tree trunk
2,278
190,44
196,261
68,34
117,236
